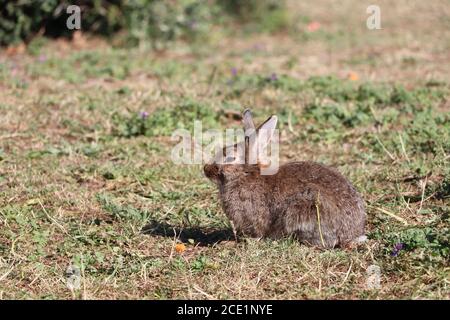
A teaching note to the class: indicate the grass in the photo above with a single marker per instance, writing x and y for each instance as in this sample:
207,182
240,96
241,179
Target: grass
85,180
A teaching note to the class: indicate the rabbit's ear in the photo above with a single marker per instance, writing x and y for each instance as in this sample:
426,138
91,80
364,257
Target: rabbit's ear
266,131
247,119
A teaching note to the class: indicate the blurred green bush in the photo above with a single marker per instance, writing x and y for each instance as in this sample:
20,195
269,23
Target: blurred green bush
138,20
262,15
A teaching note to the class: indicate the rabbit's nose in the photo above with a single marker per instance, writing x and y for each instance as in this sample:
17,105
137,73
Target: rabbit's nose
211,170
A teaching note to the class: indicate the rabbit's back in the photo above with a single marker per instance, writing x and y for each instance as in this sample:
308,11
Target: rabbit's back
315,203
308,200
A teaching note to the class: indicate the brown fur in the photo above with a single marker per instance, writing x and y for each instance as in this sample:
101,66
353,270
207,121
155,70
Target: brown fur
290,202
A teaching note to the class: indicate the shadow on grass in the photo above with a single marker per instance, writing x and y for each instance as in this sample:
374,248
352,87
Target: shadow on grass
201,237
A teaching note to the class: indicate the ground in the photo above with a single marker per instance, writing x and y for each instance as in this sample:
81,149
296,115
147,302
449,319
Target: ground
87,180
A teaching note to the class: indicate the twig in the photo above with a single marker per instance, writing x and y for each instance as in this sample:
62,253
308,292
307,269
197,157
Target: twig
12,135
211,80
318,219
392,215
51,218
424,185
6,273
348,273
403,147
291,129
203,292
173,244
384,148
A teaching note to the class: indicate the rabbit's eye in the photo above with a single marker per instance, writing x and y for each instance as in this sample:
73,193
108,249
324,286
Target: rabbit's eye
229,159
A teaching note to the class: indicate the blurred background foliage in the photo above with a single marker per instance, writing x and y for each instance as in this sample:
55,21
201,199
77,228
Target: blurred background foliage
137,21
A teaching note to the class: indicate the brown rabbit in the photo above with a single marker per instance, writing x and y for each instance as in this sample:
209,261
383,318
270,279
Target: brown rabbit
312,202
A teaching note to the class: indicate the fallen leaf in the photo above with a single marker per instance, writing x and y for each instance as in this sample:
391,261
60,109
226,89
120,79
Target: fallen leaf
313,26
16,49
353,76
180,248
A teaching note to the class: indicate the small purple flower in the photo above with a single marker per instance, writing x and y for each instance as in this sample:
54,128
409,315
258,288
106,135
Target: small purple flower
192,25
234,72
42,58
397,248
273,77
258,46
143,115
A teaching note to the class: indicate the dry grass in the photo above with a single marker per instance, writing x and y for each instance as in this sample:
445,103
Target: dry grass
73,191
